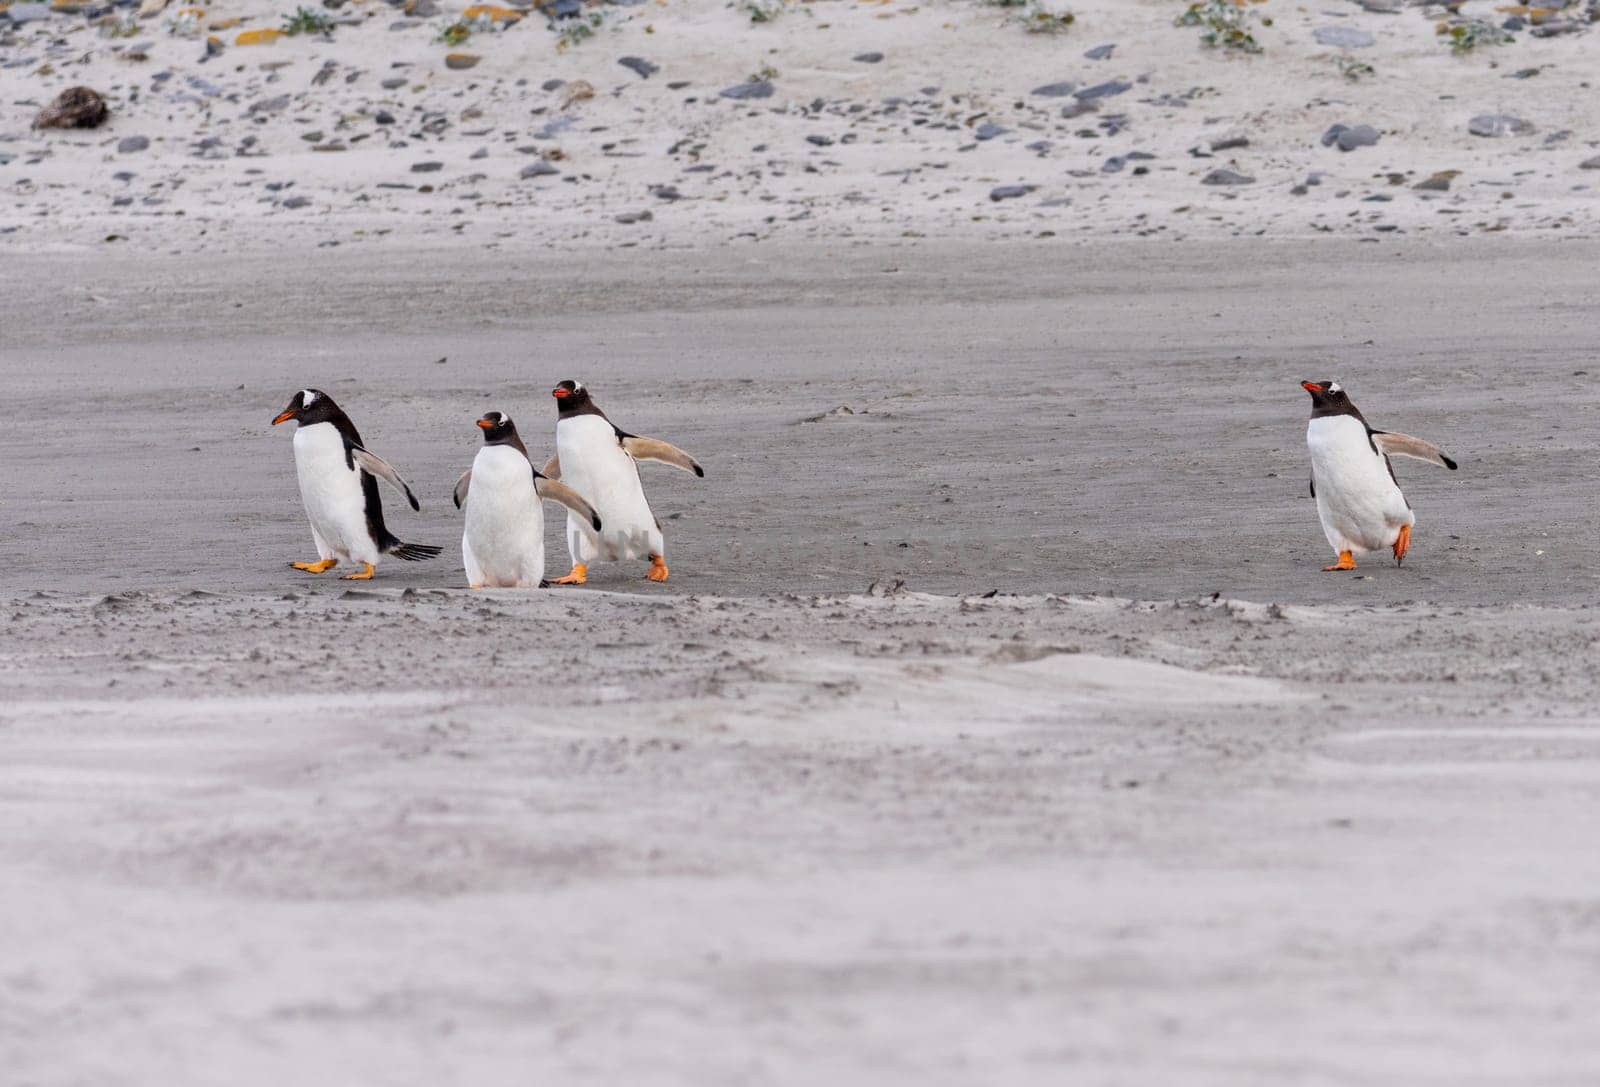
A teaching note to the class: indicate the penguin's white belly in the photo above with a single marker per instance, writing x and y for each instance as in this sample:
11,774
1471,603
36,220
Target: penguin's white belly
331,491
1358,501
593,464
503,542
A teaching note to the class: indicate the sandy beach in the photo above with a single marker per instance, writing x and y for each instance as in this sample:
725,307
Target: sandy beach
996,725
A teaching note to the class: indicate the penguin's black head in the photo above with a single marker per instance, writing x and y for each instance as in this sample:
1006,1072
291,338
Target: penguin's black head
571,397
1328,398
497,427
308,406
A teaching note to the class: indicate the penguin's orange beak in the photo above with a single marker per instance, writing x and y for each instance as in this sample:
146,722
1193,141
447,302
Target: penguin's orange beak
283,417
559,393
485,424
1311,386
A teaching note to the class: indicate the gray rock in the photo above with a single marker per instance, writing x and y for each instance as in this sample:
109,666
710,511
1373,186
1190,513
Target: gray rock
755,88
480,153
1383,7
1343,37
1078,109
1439,182
819,141
867,58
1495,125
269,105
426,167
1055,90
634,217
296,202
537,169
1009,192
394,83
129,144
1348,138
27,13
1113,165
1226,177
1229,143
639,65
989,130
666,192
1556,27
383,117
1099,52
1108,89
1590,164
552,84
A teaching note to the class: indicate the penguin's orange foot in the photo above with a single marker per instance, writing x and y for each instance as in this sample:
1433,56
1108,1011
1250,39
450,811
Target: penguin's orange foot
478,585
320,567
1402,544
658,568
364,575
1347,561
578,576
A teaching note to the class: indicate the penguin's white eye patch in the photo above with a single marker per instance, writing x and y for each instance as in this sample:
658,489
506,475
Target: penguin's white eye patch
309,395
1333,387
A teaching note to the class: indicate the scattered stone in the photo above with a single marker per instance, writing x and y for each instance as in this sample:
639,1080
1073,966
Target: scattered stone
1348,138
1226,177
460,62
579,90
1383,7
383,117
638,64
1108,89
1009,192
1495,125
1113,165
666,192
1343,37
819,141
1055,90
867,58
552,84
1229,143
755,88
1079,108
1439,182
426,167
628,217
1590,164
129,144
394,83
268,105
537,169
1100,52
264,36
989,130
296,202
480,153
75,107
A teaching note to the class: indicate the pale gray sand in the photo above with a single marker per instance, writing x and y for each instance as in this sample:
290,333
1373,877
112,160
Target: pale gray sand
395,838
1030,418
742,829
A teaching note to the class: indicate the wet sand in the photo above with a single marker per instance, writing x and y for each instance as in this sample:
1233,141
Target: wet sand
760,824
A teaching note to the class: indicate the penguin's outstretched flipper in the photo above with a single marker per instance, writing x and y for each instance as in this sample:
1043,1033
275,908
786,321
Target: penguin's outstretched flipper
463,485
381,468
552,468
1404,445
549,489
654,449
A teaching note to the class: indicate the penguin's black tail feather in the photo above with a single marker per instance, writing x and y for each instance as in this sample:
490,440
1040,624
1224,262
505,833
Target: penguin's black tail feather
414,552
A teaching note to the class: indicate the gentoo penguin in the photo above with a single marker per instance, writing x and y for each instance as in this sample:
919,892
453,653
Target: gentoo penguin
1358,497
597,460
339,485
502,545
